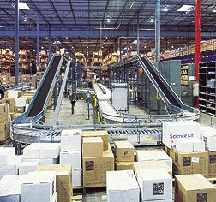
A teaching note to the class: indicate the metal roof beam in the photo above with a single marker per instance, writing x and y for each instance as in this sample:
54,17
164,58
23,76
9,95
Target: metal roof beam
56,12
107,4
71,7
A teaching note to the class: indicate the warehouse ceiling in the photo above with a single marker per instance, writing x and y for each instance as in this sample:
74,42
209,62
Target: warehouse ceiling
78,25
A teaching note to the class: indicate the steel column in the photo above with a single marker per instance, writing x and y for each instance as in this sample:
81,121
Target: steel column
38,30
120,50
197,42
138,33
127,44
56,45
157,31
17,42
50,43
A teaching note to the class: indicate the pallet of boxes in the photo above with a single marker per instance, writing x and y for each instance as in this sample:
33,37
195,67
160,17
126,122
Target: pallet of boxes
97,158
184,143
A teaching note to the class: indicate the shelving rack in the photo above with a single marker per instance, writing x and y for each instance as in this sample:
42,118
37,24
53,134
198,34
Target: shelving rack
207,88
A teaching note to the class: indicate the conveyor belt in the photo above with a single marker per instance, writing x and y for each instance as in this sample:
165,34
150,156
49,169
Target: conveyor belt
163,87
40,99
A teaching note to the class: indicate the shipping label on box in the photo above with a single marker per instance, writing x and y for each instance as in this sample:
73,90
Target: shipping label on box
212,163
179,130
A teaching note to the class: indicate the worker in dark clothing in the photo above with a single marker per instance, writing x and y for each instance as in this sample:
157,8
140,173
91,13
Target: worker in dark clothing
73,101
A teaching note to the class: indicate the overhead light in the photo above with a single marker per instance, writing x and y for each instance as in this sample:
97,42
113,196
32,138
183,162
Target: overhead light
147,29
1,25
214,10
165,8
186,8
25,19
144,46
135,42
132,5
118,26
21,6
151,20
108,19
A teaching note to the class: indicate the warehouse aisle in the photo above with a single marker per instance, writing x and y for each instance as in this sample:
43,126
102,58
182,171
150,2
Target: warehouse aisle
66,118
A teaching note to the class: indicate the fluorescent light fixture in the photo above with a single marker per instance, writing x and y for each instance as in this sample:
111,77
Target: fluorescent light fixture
147,29
132,5
1,25
214,10
186,8
151,20
135,42
165,8
108,19
21,6
25,19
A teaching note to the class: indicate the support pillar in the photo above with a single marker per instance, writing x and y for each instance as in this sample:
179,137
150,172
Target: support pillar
138,33
16,42
120,50
56,45
127,44
50,43
38,32
157,32
197,43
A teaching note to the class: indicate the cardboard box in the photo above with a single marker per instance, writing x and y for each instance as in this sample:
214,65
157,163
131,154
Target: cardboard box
4,131
19,109
64,180
209,137
48,161
12,94
73,158
184,145
6,155
122,186
179,130
123,165
102,134
151,165
94,169
194,188
191,163
27,167
29,98
77,177
212,163
169,151
92,147
145,156
4,112
11,102
71,140
20,102
50,150
155,184
41,187
124,151
32,151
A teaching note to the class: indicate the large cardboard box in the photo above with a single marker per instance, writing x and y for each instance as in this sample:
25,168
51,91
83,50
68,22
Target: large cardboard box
64,186
151,165
191,163
155,184
122,186
33,151
20,102
209,137
4,112
179,130
212,163
190,188
4,131
11,102
6,155
102,134
94,169
27,167
71,157
50,150
124,151
92,147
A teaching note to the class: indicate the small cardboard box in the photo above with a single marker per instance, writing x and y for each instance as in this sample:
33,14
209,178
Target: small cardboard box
194,188
64,180
102,134
155,184
122,186
4,112
191,163
124,151
92,147
151,165
94,169
123,165
11,102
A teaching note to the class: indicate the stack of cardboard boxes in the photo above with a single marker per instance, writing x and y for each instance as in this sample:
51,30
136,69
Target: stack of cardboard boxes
124,155
97,159
4,122
71,153
64,185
